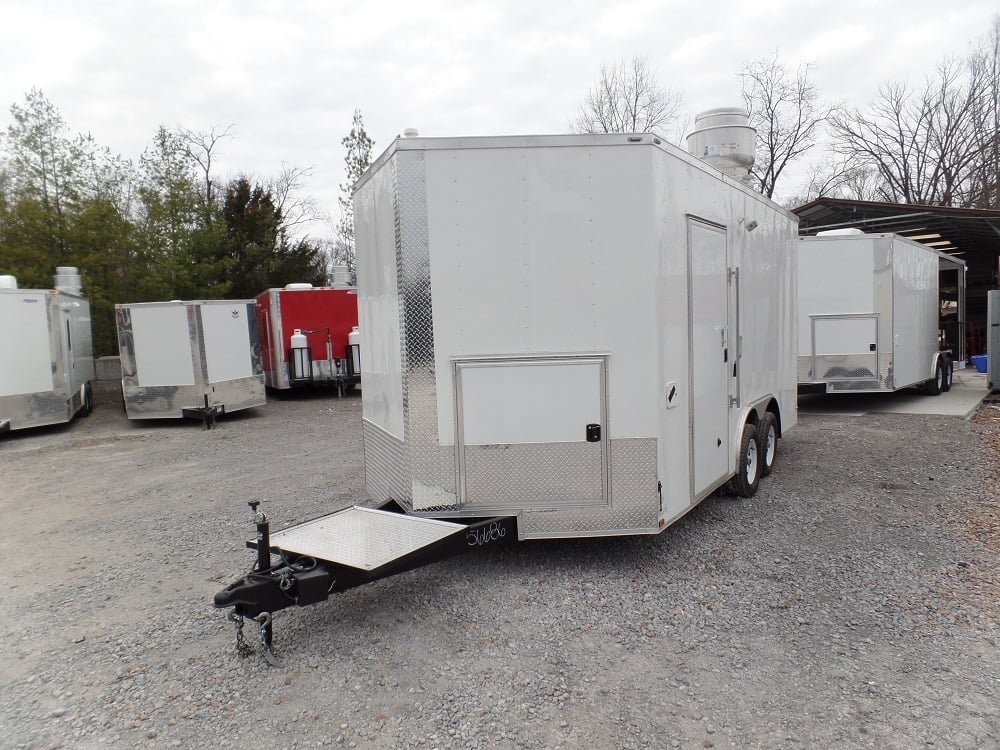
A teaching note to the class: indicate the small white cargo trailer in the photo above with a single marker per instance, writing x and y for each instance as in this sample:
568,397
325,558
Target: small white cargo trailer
568,336
878,313
46,352
194,359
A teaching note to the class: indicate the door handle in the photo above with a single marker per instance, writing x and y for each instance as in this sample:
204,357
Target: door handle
593,433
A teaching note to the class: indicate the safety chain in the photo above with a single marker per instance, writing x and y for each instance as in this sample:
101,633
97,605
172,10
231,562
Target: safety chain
243,647
264,620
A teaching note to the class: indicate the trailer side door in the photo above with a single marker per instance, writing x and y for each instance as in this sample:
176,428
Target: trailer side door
711,355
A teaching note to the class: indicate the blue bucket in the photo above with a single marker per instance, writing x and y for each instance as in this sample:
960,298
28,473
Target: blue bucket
979,362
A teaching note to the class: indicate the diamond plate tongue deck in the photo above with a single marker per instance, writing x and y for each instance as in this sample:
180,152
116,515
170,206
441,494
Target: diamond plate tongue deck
363,538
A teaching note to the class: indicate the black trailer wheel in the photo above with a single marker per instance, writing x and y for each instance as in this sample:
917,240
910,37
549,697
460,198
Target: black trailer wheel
933,387
947,375
767,434
747,476
88,400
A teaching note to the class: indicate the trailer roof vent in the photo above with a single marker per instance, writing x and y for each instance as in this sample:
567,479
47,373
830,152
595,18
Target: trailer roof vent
341,277
299,285
839,232
8,282
67,279
411,133
723,138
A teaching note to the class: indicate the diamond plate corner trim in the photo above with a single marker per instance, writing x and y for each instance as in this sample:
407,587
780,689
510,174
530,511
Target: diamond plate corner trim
635,502
197,336
430,467
126,346
253,331
385,469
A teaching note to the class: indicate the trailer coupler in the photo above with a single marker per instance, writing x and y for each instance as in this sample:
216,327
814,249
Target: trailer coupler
272,590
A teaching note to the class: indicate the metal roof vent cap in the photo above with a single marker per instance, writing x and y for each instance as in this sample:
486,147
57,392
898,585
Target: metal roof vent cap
341,277
723,138
411,133
68,279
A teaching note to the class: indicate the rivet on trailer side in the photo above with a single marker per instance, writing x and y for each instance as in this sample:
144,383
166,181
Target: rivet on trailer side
46,352
566,336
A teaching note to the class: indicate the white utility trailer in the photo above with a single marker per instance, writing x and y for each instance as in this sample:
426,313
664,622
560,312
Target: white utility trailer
189,358
46,352
567,336
878,313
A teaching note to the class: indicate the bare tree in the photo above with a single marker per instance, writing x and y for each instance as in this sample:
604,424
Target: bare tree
296,207
984,68
785,110
920,144
200,147
627,99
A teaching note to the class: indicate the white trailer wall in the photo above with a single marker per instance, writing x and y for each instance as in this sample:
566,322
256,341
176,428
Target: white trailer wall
915,312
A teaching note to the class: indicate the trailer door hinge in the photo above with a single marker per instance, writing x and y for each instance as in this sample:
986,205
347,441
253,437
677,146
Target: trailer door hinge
734,401
734,274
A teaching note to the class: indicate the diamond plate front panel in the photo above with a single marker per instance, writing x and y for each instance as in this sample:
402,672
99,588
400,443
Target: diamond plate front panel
363,538
385,472
242,393
533,474
161,401
431,467
849,373
635,500
36,409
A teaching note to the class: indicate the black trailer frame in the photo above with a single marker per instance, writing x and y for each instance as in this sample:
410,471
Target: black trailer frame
302,574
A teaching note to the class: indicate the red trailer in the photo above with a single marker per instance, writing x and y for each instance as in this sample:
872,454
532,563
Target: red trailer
309,336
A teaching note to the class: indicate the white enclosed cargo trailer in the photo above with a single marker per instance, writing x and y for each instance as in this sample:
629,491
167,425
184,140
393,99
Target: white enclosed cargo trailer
566,336
581,331
878,313
46,352
189,358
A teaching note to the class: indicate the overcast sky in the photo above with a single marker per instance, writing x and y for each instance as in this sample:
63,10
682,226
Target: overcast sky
288,75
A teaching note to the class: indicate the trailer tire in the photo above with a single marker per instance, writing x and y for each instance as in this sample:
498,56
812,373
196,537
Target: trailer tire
767,435
933,386
747,476
947,376
87,405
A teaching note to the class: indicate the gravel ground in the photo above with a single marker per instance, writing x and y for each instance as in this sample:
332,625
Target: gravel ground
853,603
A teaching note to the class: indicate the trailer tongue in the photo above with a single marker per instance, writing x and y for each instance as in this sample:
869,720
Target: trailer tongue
340,551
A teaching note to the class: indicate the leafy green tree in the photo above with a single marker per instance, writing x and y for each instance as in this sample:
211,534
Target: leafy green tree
259,253
356,161
169,212
43,174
